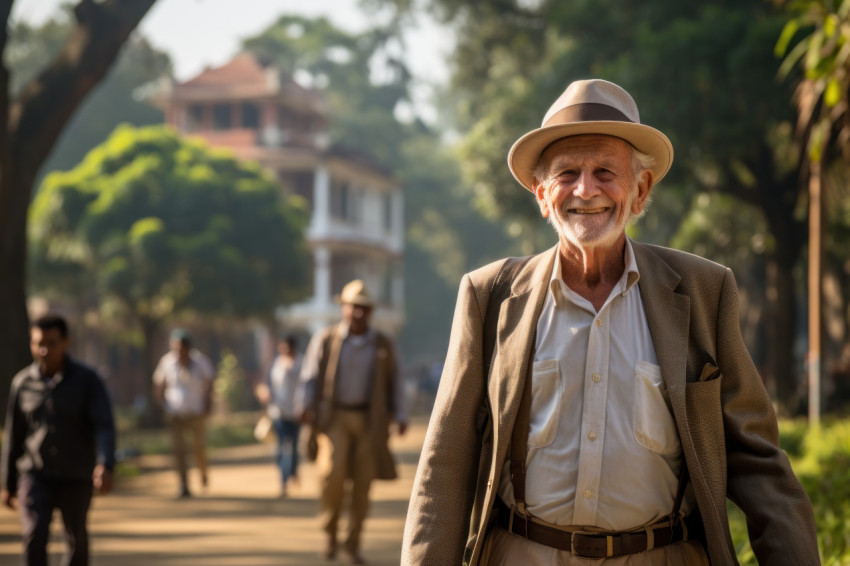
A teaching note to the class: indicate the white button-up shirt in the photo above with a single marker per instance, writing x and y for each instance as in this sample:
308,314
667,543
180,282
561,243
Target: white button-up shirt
603,449
185,387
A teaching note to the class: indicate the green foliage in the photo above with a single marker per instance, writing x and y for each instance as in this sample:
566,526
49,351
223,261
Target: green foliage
163,225
824,56
820,457
231,386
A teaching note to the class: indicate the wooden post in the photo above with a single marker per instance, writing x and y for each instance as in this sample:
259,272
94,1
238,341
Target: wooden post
814,357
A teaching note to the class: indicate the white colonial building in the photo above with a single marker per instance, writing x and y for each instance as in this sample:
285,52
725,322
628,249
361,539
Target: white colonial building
356,227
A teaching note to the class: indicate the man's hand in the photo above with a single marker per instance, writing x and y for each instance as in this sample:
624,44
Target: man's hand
402,428
263,393
8,499
102,480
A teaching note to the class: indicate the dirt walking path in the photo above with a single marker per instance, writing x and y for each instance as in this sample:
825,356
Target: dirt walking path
238,521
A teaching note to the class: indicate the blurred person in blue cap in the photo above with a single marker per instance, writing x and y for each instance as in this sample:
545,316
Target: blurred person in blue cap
183,382
58,444
354,390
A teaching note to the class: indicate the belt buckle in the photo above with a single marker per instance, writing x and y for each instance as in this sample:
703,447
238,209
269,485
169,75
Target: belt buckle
590,534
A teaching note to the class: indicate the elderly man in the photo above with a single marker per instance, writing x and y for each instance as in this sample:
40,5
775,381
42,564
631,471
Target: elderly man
58,444
354,389
598,402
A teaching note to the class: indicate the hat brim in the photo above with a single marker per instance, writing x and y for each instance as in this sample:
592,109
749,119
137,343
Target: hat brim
360,301
526,151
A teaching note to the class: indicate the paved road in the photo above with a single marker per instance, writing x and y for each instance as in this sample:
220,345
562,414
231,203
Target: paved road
238,521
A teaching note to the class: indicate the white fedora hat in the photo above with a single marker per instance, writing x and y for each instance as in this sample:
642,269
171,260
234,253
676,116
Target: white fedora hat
590,107
356,293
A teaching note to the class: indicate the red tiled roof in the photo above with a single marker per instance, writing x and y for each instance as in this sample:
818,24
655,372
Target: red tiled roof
243,77
243,69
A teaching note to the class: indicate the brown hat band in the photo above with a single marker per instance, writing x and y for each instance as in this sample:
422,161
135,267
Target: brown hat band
586,112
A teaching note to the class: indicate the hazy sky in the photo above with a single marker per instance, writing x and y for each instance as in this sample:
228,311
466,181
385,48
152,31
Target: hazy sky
199,33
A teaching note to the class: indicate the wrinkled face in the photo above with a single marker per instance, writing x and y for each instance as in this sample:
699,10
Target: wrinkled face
356,317
48,349
588,189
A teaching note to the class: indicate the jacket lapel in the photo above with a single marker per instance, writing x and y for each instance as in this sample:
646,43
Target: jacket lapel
668,315
515,338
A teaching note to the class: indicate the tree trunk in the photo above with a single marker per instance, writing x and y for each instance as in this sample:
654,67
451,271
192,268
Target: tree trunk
781,293
153,417
29,128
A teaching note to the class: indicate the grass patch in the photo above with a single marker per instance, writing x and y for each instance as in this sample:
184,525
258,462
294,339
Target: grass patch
820,457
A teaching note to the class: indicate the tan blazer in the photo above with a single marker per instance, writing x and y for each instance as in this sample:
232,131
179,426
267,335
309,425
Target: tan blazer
725,419
381,401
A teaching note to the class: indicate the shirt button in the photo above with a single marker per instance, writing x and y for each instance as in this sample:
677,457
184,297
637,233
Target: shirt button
591,435
587,493
596,377
598,322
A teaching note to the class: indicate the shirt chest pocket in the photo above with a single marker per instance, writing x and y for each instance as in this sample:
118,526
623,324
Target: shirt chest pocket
654,426
546,390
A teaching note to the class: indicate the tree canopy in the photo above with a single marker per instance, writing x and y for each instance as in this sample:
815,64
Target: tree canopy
163,225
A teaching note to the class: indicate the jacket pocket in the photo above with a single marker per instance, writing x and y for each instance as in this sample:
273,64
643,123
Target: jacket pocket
545,403
654,426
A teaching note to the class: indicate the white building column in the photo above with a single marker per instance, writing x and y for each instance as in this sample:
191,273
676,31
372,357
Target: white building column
322,276
397,233
320,222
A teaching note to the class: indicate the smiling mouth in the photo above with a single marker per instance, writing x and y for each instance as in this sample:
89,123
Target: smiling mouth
587,210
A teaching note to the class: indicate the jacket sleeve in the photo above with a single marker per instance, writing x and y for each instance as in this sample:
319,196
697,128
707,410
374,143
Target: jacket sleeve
100,415
444,488
14,433
760,481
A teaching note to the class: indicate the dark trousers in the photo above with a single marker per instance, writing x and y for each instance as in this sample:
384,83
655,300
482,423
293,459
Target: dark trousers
287,447
37,498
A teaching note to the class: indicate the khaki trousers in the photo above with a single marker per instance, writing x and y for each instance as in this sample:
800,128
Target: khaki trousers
195,424
507,549
348,448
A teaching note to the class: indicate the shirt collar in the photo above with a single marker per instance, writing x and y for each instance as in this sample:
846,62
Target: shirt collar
630,276
361,338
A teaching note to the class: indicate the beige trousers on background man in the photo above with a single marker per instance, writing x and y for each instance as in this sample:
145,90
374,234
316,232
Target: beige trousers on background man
505,549
347,446
195,424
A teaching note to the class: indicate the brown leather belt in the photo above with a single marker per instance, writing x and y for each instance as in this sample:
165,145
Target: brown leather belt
587,544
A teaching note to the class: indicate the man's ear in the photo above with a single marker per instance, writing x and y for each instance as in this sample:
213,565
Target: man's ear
540,195
644,186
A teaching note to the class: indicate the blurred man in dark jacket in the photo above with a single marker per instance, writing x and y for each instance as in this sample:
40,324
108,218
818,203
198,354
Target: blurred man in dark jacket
58,444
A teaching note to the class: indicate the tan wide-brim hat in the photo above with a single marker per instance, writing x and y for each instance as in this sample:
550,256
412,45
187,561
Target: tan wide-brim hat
590,107
356,293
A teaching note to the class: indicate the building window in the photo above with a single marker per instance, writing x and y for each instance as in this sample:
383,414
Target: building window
250,116
194,117
388,213
344,202
222,117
